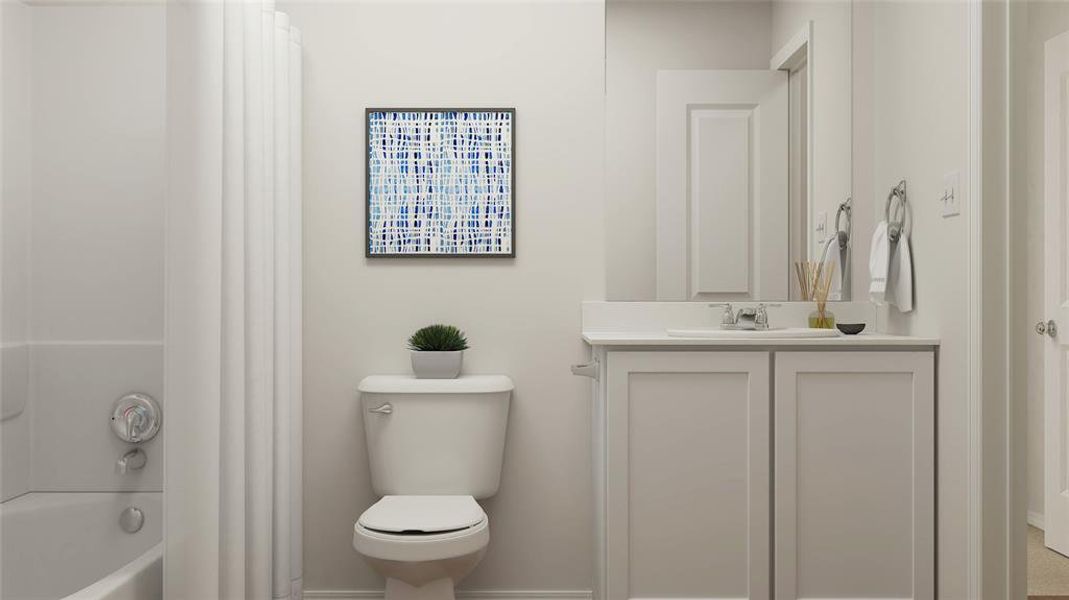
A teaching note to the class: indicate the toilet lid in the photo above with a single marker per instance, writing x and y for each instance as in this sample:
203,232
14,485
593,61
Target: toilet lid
422,514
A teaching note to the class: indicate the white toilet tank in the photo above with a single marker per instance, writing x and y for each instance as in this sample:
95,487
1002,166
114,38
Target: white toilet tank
435,436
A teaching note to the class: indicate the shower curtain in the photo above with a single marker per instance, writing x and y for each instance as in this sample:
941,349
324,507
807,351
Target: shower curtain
232,373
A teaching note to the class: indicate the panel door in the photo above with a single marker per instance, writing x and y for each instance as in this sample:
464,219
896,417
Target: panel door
854,475
1056,281
722,207
687,507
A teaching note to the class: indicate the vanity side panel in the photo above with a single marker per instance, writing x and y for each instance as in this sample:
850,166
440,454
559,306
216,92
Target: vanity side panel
855,475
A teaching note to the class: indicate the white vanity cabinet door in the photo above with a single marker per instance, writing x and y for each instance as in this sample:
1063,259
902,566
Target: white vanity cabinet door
854,475
688,475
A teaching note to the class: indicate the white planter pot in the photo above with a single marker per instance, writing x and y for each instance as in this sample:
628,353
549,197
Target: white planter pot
437,365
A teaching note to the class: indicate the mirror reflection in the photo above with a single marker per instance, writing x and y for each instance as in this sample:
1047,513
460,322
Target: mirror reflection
728,148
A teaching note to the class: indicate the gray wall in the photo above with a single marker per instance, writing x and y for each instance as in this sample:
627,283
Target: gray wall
918,88
521,315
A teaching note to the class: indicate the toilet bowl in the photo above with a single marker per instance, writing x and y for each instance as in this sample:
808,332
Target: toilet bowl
434,447
422,545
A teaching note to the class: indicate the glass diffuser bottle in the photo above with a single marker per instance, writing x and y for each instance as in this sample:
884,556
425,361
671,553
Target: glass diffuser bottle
822,318
814,281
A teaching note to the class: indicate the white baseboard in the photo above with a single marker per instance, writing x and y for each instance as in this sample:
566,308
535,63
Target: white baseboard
461,595
1035,519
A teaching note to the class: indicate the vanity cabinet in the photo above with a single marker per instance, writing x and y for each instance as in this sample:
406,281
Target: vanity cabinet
854,491
688,475
765,474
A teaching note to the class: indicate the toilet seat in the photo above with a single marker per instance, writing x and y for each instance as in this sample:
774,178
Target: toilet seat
422,514
421,528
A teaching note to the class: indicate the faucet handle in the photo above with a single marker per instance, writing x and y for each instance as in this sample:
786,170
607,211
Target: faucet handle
135,422
728,316
135,418
761,320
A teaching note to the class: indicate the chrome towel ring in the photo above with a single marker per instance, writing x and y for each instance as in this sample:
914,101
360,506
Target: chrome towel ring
899,210
843,235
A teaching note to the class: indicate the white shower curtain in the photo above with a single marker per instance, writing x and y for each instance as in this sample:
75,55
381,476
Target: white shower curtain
232,483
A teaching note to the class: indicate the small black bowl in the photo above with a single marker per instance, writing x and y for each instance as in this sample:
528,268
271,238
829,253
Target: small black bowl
850,328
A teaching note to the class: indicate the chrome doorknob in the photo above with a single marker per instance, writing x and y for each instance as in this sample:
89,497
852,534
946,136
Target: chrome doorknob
1047,328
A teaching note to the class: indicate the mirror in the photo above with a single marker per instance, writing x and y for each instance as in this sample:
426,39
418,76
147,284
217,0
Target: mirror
728,147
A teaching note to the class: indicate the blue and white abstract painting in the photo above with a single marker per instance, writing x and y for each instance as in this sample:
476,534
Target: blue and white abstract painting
440,182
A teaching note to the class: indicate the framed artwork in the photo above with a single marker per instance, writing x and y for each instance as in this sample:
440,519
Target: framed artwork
440,182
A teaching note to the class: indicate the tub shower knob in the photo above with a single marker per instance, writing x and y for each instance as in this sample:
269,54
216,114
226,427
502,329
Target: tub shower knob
132,519
135,418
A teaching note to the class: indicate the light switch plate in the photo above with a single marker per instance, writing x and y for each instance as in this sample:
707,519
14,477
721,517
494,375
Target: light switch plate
951,198
821,229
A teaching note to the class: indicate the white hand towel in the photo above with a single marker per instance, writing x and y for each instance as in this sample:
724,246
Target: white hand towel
879,262
832,259
900,275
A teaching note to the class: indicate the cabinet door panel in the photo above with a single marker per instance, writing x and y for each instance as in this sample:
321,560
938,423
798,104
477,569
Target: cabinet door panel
689,474
854,494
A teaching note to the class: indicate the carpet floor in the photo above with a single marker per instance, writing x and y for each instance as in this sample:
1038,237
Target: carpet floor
1048,571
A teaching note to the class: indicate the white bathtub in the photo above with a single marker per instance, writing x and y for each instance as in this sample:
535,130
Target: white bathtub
70,546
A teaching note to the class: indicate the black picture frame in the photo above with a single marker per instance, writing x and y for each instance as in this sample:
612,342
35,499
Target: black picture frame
367,183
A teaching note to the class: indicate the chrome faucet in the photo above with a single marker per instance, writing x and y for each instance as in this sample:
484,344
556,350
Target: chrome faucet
132,461
747,318
753,318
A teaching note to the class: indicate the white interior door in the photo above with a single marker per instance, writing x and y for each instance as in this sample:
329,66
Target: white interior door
1056,271
722,231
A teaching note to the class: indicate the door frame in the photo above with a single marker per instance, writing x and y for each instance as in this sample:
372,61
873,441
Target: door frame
797,51
975,319
997,478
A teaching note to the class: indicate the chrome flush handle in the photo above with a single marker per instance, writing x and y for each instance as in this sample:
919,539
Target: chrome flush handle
383,409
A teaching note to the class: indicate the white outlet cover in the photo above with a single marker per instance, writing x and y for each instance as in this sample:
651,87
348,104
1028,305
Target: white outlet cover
951,196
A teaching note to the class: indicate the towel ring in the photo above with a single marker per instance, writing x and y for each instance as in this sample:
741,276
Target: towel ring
842,235
895,227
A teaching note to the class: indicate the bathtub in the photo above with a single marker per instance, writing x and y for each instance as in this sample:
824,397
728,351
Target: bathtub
69,546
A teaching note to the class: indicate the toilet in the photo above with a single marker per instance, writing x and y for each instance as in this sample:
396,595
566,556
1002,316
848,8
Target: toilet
435,447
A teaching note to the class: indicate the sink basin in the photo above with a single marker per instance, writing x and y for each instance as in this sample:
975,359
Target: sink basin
774,332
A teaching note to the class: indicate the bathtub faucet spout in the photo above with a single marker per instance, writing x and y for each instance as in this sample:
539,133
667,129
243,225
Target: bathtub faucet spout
132,460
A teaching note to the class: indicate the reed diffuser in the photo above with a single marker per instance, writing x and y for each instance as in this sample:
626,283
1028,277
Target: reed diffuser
814,281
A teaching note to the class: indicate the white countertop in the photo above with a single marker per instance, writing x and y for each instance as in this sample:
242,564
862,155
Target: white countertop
661,338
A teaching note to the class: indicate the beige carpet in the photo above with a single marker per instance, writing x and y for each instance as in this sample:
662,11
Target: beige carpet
1048,571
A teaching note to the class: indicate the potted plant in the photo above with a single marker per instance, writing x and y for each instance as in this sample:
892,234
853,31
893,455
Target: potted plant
437,351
